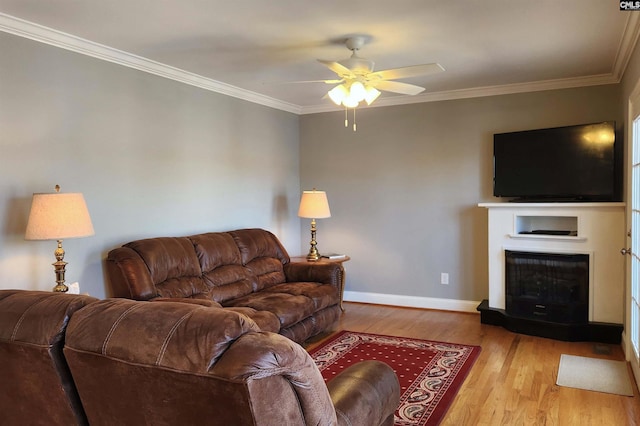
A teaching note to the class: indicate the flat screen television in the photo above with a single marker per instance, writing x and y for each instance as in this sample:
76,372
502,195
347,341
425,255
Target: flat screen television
572,163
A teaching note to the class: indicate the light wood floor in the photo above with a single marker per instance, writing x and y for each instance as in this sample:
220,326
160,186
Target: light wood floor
513,380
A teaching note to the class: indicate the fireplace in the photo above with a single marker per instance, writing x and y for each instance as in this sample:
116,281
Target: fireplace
575,292
547,286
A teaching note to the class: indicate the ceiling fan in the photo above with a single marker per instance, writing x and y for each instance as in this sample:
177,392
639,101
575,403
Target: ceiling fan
358,82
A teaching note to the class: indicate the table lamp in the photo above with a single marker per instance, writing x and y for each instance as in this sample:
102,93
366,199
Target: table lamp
314,205
57,216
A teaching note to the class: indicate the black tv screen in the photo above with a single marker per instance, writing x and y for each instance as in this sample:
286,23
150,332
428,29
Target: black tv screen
572,163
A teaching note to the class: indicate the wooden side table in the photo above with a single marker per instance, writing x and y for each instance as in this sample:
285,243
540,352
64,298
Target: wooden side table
339,261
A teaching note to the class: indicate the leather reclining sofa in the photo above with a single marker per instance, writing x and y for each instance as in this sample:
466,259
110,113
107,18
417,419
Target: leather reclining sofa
246,270
72,359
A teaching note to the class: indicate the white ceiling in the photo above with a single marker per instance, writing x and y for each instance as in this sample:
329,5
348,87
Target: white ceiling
253,48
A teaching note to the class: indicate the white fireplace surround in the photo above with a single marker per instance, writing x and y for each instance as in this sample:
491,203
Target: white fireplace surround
596,229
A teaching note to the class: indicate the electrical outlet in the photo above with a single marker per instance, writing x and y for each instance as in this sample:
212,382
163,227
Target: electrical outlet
444,278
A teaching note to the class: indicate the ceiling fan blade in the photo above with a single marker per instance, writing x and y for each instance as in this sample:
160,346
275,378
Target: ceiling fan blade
317,81
336,67
406,72
398,87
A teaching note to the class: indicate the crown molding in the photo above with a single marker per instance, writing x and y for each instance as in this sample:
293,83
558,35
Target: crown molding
11,24
477,92
628,42
30,30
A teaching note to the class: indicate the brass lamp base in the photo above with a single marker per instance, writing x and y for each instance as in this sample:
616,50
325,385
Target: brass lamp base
59,267
60,288
313,251
313,255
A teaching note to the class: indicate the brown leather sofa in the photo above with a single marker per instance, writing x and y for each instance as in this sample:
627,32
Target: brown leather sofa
127,362
246,270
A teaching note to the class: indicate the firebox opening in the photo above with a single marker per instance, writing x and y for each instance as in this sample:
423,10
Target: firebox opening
547,286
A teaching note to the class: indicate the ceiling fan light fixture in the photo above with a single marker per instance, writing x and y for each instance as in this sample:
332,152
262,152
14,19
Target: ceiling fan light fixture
358,82
371,94
338,94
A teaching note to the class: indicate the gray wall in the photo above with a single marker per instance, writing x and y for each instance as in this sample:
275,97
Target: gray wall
156,157
404,188
153,157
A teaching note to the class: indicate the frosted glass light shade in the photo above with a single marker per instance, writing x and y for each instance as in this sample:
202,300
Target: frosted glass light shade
357,91
58,216
350,102
314,205
338,94
372,95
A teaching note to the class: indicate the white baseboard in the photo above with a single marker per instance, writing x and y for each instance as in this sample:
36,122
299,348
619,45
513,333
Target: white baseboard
412,301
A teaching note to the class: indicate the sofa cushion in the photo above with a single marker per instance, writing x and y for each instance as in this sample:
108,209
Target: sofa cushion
263,254
267,321
194,301
287,307
320,321
268,272
221,266
321,295
173,266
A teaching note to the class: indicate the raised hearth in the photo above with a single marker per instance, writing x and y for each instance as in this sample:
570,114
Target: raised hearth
589,332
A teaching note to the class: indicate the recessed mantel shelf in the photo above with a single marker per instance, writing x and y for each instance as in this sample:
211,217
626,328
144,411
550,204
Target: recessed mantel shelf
547,237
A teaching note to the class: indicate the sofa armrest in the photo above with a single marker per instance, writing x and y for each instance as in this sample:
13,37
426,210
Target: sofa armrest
271,358
129,275
325,273
366,393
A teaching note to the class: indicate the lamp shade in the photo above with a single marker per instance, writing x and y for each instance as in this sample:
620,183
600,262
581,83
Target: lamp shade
314,205
58,216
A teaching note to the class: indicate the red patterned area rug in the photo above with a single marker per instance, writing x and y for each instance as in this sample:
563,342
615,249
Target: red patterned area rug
430,373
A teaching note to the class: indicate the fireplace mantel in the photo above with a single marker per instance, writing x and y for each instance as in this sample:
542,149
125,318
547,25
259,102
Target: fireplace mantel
596,229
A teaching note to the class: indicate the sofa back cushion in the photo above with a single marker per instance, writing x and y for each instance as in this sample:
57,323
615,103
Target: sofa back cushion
38,387
173,363
221,265
173,266
263,254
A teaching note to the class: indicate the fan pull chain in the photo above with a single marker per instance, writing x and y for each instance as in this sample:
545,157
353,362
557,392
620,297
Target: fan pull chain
346,118
354,119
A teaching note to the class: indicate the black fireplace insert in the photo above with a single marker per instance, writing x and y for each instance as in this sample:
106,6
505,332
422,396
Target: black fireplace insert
547,286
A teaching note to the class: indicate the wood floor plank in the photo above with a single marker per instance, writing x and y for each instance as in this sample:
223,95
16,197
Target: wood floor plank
513,382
